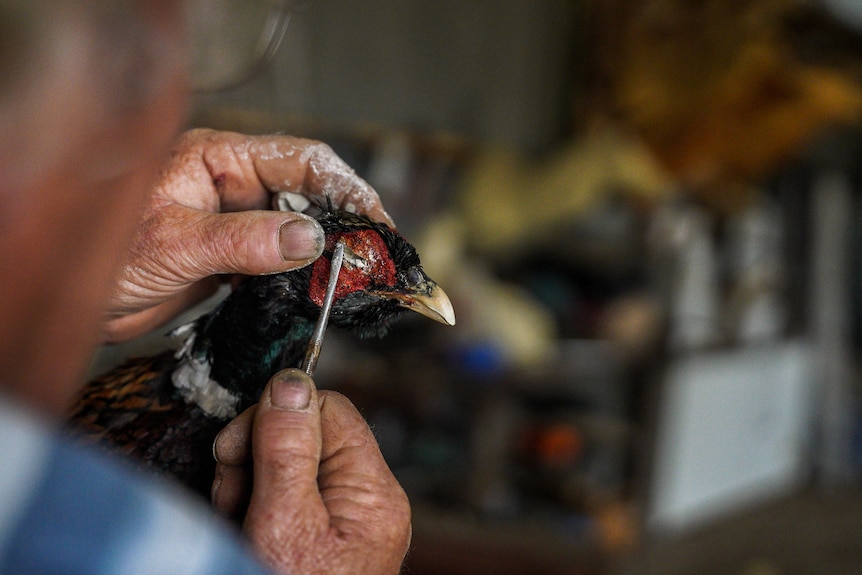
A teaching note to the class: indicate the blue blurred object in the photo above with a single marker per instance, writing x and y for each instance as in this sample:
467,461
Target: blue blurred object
479,359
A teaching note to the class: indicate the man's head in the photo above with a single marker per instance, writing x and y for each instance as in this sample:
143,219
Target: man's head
95,94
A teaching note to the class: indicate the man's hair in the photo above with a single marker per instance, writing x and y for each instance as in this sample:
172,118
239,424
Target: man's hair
19,36
62,62
130,48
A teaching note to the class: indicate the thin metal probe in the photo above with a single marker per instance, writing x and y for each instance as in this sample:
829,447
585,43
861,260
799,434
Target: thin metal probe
309,362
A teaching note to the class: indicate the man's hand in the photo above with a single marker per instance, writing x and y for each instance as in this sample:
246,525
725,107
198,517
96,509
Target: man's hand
206,217
323,499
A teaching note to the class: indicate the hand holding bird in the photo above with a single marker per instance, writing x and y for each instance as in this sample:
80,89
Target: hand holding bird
166,410
319,481
209,215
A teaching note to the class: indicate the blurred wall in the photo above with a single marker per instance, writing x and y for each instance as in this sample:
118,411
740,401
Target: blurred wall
494,70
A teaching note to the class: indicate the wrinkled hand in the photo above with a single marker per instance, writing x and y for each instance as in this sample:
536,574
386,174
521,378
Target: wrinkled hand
205,217
322,498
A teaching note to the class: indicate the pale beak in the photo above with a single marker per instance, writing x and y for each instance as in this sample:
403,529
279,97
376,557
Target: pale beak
433,303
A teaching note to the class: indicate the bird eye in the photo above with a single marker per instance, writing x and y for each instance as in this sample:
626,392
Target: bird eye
415,276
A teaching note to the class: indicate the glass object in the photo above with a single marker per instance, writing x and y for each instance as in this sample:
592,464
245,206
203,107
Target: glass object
232,40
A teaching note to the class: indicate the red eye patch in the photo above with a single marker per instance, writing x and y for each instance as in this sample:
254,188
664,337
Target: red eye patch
378,268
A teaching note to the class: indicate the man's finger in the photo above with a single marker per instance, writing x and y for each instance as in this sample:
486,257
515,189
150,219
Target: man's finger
126,327
243,168
356,484
313,169
231,490
232,446
254,242
286,451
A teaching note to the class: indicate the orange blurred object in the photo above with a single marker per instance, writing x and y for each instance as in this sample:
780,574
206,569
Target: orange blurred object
555,444
723,91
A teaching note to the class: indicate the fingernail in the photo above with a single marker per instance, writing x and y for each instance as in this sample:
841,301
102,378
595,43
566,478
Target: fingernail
300,239
215,448
291,390
216,485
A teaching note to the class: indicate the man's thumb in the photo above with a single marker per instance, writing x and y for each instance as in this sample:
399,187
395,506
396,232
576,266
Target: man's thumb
257,242
286,444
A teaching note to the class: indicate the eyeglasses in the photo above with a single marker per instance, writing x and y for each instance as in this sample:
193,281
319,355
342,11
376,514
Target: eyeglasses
232,40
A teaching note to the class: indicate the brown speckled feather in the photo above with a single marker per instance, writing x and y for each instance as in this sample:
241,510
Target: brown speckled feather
135,410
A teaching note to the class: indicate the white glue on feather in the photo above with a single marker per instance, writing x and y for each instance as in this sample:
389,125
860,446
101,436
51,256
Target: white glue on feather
192,379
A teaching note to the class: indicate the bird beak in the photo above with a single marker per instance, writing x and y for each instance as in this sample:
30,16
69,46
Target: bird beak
431,301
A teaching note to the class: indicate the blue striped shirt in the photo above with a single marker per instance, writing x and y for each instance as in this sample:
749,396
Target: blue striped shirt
67,511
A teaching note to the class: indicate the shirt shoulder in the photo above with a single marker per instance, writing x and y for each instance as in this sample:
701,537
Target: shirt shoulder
65,509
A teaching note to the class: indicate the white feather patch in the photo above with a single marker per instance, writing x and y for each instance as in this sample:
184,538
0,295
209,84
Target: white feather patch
192,379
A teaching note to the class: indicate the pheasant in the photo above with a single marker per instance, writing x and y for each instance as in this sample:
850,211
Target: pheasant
165,411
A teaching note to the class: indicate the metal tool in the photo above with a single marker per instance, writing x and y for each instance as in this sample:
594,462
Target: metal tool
309,363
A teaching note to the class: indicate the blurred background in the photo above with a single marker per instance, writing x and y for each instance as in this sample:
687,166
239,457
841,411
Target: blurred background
647,215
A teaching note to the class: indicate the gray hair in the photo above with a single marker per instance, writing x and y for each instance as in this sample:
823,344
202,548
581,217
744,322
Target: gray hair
68,64
128,51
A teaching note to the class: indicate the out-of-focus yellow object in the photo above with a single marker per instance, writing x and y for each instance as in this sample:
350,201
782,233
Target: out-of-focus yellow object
723,91
489,310
617,524
761,567
508,199
633,323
